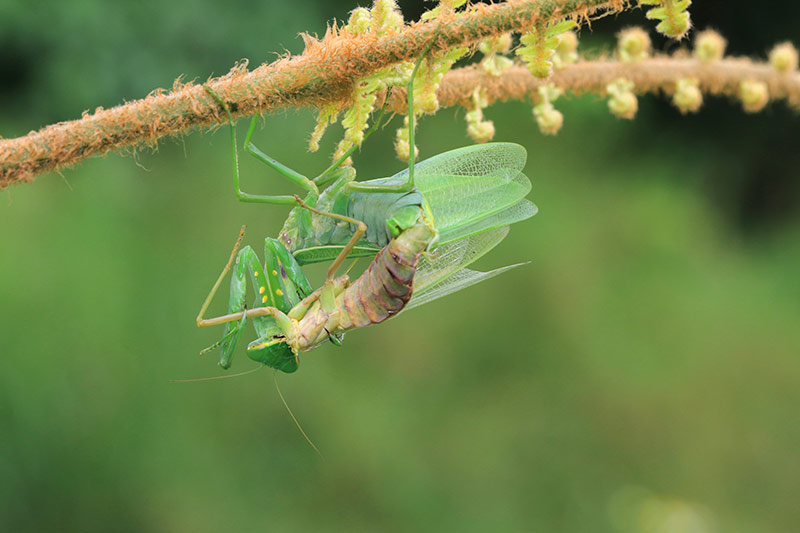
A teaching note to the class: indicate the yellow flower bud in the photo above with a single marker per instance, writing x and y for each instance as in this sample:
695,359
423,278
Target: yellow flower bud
567,50
633,44
709,46
687,98
783,58
754,95
481,131
622,102
359,22
548,118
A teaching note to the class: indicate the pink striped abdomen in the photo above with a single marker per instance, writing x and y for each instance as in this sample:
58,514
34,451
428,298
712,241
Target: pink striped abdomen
386,286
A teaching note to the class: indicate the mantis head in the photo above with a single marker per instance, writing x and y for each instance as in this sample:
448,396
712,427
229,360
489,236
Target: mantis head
272,350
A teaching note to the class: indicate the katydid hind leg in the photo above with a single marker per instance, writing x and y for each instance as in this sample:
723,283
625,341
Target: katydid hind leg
409,184
250,148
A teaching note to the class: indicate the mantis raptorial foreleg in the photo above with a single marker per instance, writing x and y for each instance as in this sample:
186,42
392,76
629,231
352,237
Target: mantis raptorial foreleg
246,259
281,326
250,313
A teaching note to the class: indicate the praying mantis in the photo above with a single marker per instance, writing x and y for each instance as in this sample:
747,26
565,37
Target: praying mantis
459,203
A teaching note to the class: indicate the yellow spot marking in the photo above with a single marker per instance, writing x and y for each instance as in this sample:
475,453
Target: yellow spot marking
279,292
263,345
255,273
274,272
264,300
261,290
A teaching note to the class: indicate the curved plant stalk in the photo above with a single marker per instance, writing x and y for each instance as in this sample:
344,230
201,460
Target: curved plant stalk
65,144
654,75
324,75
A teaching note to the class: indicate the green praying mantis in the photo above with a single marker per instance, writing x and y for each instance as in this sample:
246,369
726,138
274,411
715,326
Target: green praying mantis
459,203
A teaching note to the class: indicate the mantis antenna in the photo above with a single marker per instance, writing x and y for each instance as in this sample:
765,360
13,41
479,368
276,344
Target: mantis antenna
286,405
226,376
277,388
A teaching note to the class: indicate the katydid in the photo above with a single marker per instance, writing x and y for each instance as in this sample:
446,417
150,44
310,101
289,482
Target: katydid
472,194
467,190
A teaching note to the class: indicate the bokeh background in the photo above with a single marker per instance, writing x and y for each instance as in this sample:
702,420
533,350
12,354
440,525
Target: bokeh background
640,375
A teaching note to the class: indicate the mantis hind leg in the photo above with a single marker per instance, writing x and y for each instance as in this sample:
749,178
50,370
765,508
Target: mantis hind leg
361,228
203,322
249,147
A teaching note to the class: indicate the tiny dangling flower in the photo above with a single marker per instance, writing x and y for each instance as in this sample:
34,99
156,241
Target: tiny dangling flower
479,129
359,21
540,44
566,51
709,46
672,14
622,102
633,45
688,98
429,77
383,19
355,118
401,144
325,116
783,58
548,118
492,48
754,95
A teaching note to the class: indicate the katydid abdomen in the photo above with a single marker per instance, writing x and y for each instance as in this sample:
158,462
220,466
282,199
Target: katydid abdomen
385,214
463,192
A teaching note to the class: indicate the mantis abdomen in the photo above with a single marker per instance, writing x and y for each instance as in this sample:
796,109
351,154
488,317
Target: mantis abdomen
380,292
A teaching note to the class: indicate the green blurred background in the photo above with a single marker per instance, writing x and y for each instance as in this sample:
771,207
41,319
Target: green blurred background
640,375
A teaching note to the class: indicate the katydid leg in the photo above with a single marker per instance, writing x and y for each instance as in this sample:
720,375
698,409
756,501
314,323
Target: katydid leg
409,184
291,175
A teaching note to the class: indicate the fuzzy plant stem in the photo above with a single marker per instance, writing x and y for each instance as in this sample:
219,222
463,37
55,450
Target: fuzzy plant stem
653,75
658,74
322,74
